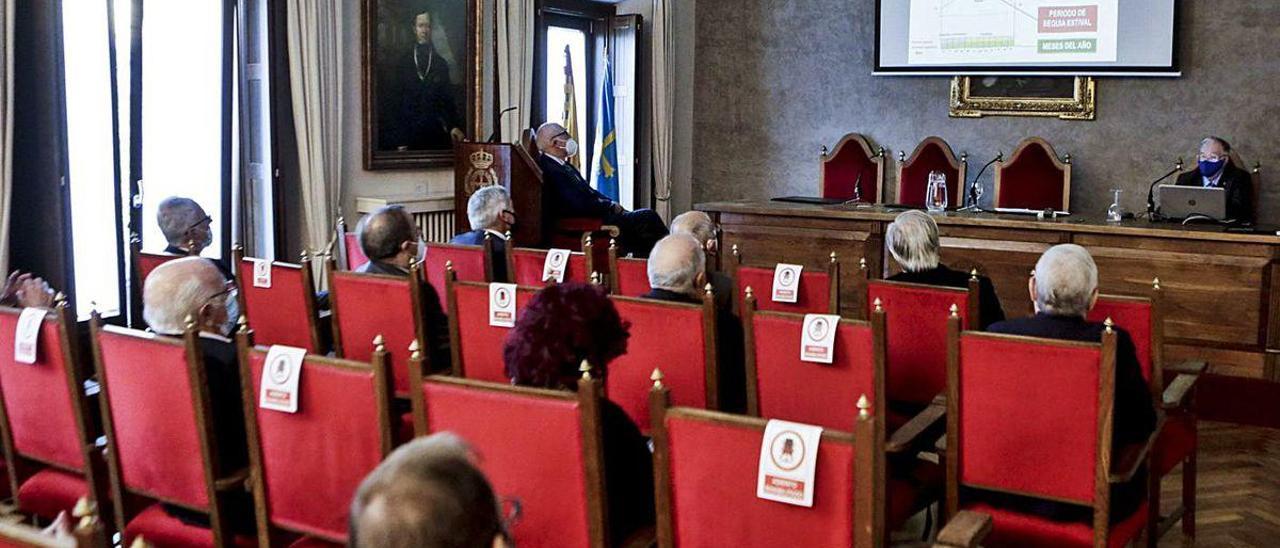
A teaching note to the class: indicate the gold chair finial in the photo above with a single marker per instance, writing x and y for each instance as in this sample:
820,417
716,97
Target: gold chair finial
750,292
448,266
613,243
862,263
587,239
596,279
189,322
1155,283
242,324
864,407
585,368
734,249
415,352
84,507
59,299
879,306
306,255
379,344
657,377
833,256
707,289
973,274
1110,325
955,311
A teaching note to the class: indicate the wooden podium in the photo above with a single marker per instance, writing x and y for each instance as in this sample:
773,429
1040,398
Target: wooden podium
477,165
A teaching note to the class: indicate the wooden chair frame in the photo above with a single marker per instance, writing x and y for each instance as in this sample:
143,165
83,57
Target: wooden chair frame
383,390
215,486
833,270
961,165
876,155
308,286
710,356
588,395
1064,164
76,372
1104,467
417,296
458,367
869,467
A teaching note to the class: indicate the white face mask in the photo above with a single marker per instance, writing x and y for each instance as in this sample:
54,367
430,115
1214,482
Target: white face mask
571,148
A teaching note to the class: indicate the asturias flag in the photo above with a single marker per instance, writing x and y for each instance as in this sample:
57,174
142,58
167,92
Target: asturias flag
607,167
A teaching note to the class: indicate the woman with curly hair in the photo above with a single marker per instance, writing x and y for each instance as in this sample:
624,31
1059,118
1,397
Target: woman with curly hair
563,325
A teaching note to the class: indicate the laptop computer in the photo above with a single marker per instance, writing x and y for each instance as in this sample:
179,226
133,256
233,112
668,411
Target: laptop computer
1180,202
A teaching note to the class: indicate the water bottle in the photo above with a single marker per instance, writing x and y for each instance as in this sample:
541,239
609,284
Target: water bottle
936,194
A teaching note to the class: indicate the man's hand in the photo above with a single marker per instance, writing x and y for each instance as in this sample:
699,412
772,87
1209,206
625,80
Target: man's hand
26,291
618,209
11,286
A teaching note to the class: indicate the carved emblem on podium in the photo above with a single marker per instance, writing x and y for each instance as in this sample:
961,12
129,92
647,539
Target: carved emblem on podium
481,173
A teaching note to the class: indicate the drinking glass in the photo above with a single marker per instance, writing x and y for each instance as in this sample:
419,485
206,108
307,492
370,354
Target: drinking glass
935,197
1115,213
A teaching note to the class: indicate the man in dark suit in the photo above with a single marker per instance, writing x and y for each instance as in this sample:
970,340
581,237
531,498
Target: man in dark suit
912,239
428,109
566,194
1216,170
490,214
188,229
677,273
390,240
1064,288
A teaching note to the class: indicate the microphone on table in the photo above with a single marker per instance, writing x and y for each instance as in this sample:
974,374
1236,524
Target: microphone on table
1151,197
975,192
857,190
497,123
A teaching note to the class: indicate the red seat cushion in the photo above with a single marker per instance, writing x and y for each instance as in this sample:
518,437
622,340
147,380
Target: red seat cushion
161,530
51,491
1177,441
1011,528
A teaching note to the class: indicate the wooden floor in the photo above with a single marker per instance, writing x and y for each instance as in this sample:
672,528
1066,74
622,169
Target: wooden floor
1239,488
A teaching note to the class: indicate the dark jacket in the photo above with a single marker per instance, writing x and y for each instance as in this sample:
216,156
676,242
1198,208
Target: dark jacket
1238,185
428,108
497,255
223,265
436,318
989,307
1134,414
628,474
729,350
567,194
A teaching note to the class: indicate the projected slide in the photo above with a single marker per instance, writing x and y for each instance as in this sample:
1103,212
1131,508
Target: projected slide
988,32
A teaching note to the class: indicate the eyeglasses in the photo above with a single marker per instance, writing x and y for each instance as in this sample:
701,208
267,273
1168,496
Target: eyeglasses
206,219
1213,157
224,294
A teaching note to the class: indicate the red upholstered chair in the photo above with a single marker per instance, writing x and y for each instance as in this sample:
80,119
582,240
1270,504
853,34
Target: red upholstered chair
706,469
286,312
367,305
469,262
819,291
1058,449
1178,441
854,162
45,420
932,154
350,256
477,346
157,413
311,462
680,339
916,316
628,277
542,448
1034,178
526,265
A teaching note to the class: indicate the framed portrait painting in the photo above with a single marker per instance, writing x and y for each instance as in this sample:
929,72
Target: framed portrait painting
1064,97
420,82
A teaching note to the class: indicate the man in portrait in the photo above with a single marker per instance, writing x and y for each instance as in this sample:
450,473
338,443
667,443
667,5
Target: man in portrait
428,110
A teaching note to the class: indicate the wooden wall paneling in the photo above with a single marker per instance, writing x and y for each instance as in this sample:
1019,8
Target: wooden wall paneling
1005,256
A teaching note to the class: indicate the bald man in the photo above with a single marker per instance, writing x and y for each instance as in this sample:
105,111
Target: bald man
568,195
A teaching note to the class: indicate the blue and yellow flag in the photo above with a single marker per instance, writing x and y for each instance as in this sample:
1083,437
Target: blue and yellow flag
607,167
570,115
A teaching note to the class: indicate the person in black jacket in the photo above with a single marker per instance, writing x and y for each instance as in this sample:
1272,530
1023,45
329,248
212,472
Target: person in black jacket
428,109
1216,170
189,230
912,239
566,195
1064,288
563,325
490,214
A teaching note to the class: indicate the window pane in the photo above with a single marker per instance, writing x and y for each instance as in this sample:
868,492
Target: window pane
91,176
181,111
576,40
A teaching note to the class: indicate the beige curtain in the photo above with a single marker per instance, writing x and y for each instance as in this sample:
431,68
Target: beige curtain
663,97
515,65
6,128
315,72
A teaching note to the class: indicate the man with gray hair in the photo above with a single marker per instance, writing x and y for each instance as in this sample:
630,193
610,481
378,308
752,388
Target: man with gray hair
188,230
698,225
1215,169
489,211
912,239
1064,287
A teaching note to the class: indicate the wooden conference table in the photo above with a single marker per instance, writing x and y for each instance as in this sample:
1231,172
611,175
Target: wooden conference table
1221,290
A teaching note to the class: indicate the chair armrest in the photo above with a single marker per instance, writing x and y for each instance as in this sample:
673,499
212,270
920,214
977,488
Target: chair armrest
966,530
908,435
1126,462
1189,367
643,538
233,481
1177,393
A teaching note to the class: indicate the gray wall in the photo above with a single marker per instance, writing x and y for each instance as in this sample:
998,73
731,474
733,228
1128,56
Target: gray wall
776,80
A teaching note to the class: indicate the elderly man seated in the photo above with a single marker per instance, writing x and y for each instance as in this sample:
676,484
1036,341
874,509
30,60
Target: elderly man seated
1216,170
193,288
568,195
699,226
1064,288
188,229
912,239
489,211
677,273
430,494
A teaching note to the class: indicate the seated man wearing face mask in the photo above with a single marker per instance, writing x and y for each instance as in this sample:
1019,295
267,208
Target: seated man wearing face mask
1218,171
391,241
568,195
188,229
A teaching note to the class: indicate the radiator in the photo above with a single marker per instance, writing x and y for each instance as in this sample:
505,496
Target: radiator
433,214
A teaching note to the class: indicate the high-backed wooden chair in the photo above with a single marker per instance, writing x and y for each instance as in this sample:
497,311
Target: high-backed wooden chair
854,163
157,413
1177,442
681,339
1058,449
932,154
368,305
475,345
45,420
308,464
818,291
470,263
916,315
526,265
628,277
285,313
1034,178
540,448
350,255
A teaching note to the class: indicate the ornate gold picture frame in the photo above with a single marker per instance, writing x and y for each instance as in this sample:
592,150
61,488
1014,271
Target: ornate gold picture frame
1064,97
